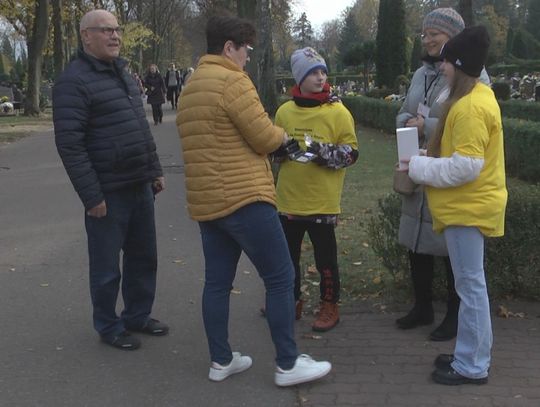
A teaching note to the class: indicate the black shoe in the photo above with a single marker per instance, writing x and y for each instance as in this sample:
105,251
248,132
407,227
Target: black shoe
452,378
443,361
446,330
124,341
152,327
416,317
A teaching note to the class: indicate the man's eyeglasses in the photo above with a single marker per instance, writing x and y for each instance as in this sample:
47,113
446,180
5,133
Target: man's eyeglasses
249,49
107,30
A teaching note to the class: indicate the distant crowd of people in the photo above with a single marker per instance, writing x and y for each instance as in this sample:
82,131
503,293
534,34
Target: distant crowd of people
229,143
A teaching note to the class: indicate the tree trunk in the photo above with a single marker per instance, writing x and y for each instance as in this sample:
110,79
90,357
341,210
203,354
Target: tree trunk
465,8
267,80
247,9
35,44
58,37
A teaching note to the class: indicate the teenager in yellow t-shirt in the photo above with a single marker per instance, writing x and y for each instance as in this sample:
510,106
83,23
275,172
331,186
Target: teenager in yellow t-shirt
309,194
465,178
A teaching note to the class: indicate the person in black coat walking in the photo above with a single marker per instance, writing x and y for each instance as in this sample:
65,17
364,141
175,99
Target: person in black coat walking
155,90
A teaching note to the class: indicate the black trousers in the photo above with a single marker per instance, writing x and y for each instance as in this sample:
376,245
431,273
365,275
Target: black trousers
157,113
173,92
323,238
422,277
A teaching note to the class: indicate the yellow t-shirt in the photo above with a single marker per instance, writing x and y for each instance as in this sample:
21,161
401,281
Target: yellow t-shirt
473,128
309,189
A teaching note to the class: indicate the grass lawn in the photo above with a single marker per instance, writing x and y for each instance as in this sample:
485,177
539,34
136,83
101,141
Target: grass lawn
13,128
362,273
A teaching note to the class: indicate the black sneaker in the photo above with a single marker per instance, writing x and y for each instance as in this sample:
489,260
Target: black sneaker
443,361
152,327
446,331
452,378
124,341
416,317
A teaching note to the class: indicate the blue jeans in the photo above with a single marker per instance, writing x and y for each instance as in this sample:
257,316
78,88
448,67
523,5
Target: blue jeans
256,230
472,353
128,227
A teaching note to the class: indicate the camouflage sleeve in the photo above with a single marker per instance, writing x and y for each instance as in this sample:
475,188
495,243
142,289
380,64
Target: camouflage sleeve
334,156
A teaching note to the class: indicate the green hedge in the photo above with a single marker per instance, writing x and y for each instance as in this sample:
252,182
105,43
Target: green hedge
512,262
520,109
376,113
521,138
522,149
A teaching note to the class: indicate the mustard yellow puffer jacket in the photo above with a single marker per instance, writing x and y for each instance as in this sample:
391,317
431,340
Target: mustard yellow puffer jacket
226,136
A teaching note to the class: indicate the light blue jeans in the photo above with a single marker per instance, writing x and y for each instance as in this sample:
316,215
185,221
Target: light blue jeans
472,354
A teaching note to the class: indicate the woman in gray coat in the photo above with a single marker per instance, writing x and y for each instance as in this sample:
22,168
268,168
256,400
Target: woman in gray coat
421,109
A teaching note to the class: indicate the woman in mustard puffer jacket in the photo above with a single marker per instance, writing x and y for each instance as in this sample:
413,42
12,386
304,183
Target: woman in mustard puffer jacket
226,136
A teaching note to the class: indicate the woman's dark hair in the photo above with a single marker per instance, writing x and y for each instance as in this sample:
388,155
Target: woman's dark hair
221,29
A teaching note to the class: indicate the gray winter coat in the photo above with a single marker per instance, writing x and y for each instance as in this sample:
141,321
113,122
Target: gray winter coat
416,225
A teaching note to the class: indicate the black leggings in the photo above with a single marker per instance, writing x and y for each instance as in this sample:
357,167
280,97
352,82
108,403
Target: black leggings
323,238
157,112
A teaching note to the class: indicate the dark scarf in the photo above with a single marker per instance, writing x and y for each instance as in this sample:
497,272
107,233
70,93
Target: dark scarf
431,60
313,99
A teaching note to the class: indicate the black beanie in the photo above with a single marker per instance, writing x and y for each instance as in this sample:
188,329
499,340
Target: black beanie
468,50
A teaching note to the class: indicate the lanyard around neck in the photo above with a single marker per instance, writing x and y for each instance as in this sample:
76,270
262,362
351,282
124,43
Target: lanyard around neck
427,88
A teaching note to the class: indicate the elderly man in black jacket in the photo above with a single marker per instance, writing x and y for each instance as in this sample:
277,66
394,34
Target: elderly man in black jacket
105,143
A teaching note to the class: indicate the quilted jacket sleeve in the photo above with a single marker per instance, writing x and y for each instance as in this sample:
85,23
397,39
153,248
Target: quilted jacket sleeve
244,108
71,111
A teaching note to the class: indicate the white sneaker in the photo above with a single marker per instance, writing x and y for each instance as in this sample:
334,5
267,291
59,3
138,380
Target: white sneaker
305,369
238,364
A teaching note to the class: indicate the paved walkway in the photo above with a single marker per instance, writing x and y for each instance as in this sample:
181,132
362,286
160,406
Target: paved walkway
376,364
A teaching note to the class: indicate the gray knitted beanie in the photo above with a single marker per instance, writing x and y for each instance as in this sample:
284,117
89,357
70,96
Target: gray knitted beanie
446,20
305,60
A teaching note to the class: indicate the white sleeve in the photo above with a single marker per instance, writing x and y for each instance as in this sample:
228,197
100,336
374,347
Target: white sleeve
445,172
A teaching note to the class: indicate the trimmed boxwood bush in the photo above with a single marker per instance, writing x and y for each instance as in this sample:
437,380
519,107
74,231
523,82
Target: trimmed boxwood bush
522,149
512,262
520,109
376,113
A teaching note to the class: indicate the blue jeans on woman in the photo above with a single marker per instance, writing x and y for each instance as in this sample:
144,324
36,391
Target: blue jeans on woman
472,354
128,227
256,230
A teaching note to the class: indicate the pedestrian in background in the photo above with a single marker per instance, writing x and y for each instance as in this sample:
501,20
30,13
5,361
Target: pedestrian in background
466,188
155,92
107,149
309,194
173,81
226,136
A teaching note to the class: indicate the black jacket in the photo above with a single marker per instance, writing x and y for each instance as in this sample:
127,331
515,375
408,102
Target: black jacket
155,88
178,79
101,130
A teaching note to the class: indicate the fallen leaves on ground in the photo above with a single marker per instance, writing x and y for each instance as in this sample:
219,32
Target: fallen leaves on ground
504,312
312,269
311,336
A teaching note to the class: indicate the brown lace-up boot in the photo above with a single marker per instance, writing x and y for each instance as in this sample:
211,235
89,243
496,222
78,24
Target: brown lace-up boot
328,317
